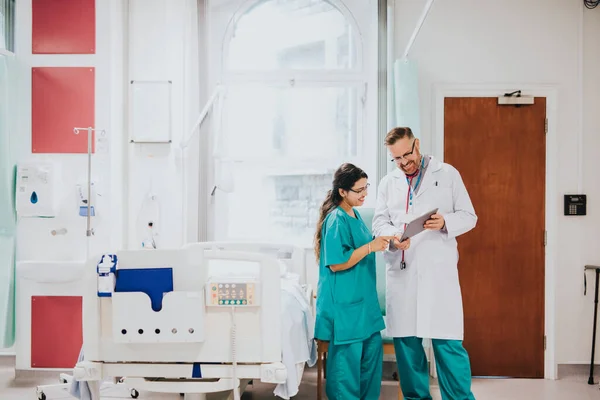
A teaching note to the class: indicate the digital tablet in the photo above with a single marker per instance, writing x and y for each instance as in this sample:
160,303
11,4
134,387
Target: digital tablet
416,226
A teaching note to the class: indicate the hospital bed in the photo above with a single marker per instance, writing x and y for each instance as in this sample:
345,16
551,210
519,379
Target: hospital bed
206,318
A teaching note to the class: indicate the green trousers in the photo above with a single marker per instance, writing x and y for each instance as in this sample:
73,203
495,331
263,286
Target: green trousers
354,370
452,364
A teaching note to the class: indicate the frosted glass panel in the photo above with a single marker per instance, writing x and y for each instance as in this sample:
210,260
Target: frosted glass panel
291,122
275,203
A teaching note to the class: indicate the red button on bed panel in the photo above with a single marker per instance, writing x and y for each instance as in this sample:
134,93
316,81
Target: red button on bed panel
56,331
62,98
63,27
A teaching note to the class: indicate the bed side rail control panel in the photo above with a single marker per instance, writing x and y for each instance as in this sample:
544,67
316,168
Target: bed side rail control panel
229,291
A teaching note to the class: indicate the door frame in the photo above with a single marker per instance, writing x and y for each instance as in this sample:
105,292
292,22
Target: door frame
550,92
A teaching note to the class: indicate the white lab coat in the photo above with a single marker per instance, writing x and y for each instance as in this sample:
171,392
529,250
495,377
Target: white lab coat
424,300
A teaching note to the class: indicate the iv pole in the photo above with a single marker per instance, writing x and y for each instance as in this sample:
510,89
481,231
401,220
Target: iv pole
597,269
89,231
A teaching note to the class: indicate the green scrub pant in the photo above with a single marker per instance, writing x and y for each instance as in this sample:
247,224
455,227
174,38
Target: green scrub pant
452,364
354,370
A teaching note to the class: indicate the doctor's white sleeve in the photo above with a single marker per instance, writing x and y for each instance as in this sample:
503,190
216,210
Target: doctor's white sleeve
382,221
463,219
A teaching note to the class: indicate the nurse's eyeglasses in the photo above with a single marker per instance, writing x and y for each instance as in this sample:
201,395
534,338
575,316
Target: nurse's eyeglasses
361,190
400,158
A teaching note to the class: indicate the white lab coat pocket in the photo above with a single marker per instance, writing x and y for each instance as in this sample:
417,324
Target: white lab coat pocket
393,259
405,218
444,200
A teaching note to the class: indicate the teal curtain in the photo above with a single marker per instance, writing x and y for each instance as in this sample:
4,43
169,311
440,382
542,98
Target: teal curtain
7,208
406,96
7,24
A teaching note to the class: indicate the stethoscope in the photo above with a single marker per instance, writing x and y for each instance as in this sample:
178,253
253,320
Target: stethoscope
409,199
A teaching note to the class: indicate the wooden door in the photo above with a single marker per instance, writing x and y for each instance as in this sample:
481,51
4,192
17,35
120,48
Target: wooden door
500,152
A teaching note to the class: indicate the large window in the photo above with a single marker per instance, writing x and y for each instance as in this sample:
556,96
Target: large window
294,109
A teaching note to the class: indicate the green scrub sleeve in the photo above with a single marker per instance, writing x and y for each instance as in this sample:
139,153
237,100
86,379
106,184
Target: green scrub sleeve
337,243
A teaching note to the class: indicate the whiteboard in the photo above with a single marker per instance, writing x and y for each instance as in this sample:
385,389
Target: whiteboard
150,110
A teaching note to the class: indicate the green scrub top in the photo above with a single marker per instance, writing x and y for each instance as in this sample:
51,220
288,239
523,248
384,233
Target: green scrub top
347,304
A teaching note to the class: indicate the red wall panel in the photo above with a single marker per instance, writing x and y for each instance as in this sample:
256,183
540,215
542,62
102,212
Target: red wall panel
56,331
62,98
63,27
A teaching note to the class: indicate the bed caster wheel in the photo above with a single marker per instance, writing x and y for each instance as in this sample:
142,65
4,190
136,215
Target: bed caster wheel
395,376
134,394
63,381
42,396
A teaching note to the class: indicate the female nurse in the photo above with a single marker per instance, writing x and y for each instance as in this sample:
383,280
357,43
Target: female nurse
348,312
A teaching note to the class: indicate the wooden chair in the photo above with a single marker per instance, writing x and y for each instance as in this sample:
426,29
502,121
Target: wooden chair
322,347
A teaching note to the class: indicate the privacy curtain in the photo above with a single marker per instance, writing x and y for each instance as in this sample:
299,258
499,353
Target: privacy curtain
7,209
405,98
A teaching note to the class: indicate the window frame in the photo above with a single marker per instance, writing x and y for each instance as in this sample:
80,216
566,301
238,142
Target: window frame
299,73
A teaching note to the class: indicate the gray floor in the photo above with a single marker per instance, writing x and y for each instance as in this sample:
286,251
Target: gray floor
484,389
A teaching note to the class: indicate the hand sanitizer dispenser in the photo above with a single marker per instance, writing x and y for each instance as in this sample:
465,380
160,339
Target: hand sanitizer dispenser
35,190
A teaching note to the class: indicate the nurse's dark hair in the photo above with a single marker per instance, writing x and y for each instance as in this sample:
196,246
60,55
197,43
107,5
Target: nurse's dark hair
397,134
344,178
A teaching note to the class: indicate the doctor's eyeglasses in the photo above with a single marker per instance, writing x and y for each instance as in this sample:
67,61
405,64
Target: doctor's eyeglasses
400,158
361,190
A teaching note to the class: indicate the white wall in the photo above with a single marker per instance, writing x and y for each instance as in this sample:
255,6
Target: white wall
135,40
162,48
34,240
528,42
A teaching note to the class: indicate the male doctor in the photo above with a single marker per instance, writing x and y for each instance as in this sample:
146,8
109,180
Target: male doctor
423,292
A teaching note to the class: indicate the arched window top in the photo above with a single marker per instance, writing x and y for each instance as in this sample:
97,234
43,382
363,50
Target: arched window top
292,35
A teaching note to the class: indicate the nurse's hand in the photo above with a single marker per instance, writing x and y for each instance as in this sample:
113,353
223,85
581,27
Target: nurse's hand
404,245
380,243
435,223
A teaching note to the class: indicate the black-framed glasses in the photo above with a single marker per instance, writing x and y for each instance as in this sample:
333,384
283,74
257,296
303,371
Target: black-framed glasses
412,150
361,190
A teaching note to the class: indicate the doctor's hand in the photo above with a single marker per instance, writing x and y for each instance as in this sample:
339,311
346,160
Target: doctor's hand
404,245
435,223
380,243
